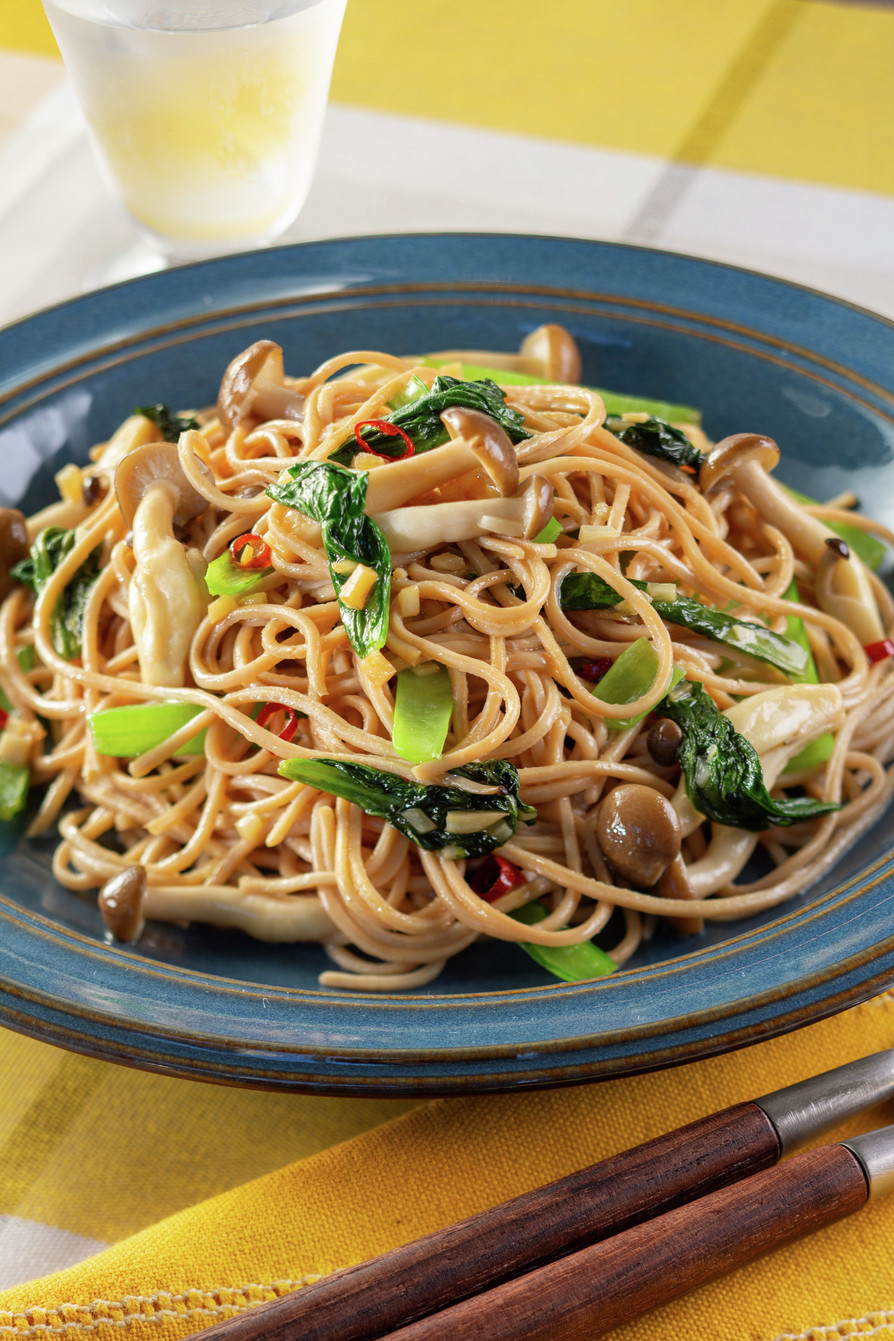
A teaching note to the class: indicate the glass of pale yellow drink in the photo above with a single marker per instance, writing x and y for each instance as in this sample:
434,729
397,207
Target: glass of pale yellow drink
206,114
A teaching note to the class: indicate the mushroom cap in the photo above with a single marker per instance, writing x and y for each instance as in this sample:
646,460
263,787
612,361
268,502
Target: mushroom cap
257,367
121,902
13,545
555,352
147,465
490,443
639,833
732,452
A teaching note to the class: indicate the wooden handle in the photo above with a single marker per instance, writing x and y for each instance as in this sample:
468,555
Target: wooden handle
451,1264
579,1298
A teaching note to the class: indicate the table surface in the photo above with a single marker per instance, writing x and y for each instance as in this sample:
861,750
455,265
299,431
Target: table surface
750,151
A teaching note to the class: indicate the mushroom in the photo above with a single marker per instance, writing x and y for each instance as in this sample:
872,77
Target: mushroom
254,386
639,833
551,352
663,741
477,440
675,884
167,597
842,585
158,463
430,524
13,546
121,902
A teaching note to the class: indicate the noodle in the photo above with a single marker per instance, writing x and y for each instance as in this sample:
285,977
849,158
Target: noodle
272,673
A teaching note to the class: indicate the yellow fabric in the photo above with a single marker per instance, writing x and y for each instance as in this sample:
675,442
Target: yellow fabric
800,89
427,1167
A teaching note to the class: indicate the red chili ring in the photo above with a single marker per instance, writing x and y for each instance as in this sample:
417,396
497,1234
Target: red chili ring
4,718
390,431
259,551
270,710
880,650
495,877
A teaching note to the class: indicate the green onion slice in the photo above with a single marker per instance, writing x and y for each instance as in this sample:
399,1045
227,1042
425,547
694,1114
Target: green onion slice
423,707
632,674
573,963
127,732
226,578
819,750
15,780
616,402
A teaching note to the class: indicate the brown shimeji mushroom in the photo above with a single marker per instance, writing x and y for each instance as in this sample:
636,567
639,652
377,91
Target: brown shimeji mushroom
638,831
13,545
254,388
842,584
121,902
167,592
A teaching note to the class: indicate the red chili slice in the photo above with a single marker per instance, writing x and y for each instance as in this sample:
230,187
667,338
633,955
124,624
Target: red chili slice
878,651
256,548
390,431
269,711
593,671
4,718
495,877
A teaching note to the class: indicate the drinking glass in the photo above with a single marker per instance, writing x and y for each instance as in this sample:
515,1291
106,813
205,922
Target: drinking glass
205,115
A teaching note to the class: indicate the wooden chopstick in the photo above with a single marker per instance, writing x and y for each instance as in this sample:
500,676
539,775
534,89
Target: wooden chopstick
585,1295
499,1244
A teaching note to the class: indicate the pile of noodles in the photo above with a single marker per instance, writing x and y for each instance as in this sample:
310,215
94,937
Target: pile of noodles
225,840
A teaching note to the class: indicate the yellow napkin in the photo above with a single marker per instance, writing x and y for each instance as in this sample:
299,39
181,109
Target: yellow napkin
445,1159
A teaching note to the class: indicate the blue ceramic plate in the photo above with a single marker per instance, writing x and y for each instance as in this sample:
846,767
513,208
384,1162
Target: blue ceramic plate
755,353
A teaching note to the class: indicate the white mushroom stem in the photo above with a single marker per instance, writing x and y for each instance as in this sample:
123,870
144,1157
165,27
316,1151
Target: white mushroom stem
842,584
843,589
423,527
779,723
166,598
395,483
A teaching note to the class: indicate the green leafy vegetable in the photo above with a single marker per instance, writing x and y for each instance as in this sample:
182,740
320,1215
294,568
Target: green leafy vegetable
336,498
421,418
657,438
616,402
433,815
722,769
50,547
127,732
587,591
632,674
573,963
223,577
15,780
169,425
423,707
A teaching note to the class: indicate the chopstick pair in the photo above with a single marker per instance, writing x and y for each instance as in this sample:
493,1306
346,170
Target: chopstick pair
571,1260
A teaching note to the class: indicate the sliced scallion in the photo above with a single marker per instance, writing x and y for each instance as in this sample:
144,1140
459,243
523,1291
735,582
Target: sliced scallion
573,963
226,578
632,674
129,731
616,402
423,707
15,780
